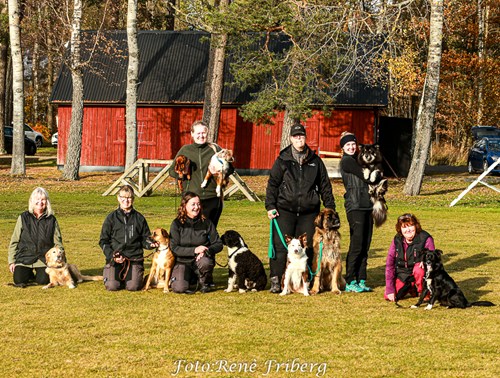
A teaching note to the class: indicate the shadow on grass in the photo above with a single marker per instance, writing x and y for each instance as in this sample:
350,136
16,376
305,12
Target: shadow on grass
471,287
440,192
469,262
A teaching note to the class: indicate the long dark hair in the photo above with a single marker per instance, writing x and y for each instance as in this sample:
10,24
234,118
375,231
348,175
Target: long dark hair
181,212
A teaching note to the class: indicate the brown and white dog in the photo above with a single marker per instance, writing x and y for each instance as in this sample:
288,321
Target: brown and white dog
219,167
295,278
183,169
61,273
162,263
326,242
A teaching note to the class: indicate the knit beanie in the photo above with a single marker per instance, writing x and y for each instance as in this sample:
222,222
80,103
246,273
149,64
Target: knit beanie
347,137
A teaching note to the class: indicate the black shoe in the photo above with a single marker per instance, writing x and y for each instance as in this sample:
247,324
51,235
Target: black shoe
205,289
275,285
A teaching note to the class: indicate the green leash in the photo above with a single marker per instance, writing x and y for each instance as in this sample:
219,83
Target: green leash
319,261
270,252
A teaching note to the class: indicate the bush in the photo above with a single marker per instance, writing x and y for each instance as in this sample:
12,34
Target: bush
444,153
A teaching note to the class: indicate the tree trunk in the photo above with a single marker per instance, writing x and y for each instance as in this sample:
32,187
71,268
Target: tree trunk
482,19
72,164
36,86
18,166
132,75
427,110
170,16
285,132
3,72
50,84
214,83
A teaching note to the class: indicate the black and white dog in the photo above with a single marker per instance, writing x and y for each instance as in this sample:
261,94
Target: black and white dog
246,271
441,286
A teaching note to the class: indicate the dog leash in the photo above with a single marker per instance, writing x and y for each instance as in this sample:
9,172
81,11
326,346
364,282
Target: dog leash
270,252
318,266
126,264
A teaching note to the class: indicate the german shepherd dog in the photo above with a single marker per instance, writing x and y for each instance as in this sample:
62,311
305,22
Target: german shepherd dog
441,286
163,261
370,158
328,271
246,271
183,169
61,273
295,277
220,168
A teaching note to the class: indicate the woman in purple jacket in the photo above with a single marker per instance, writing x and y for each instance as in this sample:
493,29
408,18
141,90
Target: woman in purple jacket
403,264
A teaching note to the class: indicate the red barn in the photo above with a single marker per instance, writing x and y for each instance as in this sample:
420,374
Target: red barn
170,98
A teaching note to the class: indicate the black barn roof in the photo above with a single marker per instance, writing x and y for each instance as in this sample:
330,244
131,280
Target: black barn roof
172,70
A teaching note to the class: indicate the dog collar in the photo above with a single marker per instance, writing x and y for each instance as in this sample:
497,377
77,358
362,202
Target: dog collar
232,254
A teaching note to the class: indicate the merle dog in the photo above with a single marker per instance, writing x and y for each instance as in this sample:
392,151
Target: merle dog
441,286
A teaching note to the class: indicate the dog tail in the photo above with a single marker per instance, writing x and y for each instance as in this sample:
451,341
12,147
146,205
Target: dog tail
92,278
482,303
379,212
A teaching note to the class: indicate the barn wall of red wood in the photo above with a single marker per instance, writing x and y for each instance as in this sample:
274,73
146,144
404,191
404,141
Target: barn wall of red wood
163,130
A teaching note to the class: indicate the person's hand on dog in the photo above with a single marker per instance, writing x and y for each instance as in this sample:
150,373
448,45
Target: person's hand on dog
200,252
271,214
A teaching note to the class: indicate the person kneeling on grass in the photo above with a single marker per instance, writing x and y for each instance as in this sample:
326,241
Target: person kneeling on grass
403,264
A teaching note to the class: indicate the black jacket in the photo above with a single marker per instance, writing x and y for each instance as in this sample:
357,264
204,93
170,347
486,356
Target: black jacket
356,188
406,261
126,233
36,239
298,188
184,238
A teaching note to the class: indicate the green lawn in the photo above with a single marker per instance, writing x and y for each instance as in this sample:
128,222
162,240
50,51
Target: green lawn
88,332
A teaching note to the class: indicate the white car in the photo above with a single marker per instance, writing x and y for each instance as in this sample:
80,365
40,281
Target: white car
35,136
54,140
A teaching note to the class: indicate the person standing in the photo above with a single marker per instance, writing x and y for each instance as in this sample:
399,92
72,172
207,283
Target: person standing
124,235
358,207
297,184
36,231
199,153
194,242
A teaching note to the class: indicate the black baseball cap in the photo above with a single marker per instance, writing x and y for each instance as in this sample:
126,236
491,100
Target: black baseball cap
297,129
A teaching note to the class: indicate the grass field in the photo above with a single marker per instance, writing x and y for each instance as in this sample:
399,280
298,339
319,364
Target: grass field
88,332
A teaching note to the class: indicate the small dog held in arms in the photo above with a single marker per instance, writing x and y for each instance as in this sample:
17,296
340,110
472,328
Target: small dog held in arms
183,169
370,158
162,263
61,273
246,271
441,286
220,168
326,243
295,278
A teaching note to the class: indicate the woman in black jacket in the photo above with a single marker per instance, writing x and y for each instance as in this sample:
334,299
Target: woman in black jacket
194,242
358,207
297,183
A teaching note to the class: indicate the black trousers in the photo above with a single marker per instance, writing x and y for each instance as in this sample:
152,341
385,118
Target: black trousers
361,230
23,274
212,209
291,224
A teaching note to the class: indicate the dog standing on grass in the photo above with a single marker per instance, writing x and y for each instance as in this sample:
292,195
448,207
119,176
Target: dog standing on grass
61,273
295,277
163,262
326,242
441,286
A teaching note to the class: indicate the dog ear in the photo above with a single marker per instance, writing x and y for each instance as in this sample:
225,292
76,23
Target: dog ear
164,233
361,146
303,239
318,222
288,239
438,252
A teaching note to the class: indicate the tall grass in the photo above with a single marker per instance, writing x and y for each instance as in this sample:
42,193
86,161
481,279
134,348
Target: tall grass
89,332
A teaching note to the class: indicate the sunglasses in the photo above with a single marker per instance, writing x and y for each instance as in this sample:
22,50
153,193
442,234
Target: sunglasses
405,217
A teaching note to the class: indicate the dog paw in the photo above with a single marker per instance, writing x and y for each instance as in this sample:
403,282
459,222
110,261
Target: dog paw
413,306
313,292
241,291
428,307
204,183
46,287
338,292
283,293
71,286
165,290
228,290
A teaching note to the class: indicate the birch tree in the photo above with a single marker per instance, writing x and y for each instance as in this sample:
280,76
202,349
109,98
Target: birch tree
18,166
4,43
428,102
132,75
73,153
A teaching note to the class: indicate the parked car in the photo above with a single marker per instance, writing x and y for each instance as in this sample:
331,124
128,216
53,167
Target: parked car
29,145
479,132
53,140
35,136
484,153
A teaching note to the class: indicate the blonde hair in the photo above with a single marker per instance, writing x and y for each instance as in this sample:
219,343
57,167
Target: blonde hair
39,191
